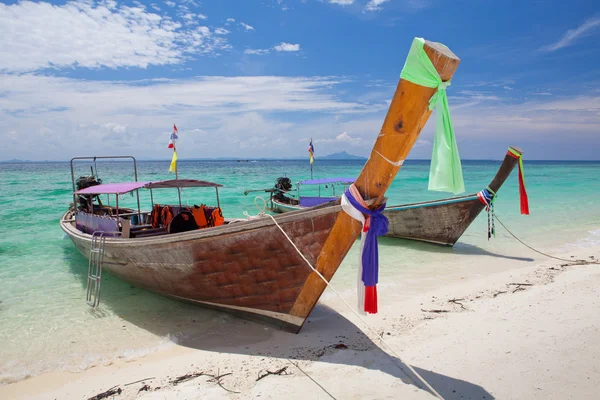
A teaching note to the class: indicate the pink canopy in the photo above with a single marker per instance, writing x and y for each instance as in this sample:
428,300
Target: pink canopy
112,188
180,183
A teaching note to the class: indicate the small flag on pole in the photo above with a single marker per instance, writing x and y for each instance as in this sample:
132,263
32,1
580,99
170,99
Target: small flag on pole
311,151
173,167
173,137
172,141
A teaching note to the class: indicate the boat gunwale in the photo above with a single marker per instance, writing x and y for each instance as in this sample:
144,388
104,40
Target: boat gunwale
290,206
432,203
237,226
400,207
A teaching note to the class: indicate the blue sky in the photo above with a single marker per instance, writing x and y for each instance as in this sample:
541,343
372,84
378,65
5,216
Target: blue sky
259,78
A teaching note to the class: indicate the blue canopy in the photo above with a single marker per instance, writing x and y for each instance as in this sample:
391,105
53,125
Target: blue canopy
345,181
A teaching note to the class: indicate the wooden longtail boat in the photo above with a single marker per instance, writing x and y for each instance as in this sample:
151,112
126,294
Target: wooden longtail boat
249,267
439,221
443,221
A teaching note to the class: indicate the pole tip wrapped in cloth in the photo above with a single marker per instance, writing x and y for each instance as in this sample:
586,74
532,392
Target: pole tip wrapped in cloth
446,170
374,224
522,192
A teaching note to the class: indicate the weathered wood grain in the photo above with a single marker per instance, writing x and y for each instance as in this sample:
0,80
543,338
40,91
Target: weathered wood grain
443,221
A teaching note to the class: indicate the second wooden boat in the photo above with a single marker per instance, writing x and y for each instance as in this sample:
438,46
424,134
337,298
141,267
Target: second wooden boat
440,221
443,221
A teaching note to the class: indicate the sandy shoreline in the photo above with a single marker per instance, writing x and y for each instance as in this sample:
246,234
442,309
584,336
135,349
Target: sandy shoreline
496,340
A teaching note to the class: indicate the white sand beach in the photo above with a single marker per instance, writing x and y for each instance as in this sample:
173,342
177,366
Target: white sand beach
497,339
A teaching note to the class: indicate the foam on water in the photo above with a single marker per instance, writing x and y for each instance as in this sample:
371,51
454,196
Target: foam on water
14,371
46,324
592,239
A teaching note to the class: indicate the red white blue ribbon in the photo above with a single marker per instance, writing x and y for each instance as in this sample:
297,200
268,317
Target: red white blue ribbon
374,224
173,138
487,197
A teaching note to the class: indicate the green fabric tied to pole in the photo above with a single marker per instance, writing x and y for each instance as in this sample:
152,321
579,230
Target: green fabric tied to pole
445,174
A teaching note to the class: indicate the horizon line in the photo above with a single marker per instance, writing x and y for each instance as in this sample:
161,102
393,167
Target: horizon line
358,158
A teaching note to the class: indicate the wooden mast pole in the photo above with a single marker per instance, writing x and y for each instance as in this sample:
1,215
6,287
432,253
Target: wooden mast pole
177,174
406,117
311,163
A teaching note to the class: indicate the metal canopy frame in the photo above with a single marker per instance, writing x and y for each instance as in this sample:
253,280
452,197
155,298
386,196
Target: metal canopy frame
94,158
148,185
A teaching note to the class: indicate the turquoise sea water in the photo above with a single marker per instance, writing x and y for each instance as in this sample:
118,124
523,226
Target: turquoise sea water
46,323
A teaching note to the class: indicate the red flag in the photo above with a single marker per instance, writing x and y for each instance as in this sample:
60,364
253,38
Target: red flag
173,137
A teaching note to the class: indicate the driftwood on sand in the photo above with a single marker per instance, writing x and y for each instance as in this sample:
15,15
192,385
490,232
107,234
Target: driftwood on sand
278,372
109,393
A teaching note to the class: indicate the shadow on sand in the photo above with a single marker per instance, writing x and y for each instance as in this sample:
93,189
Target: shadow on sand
459,248
215,331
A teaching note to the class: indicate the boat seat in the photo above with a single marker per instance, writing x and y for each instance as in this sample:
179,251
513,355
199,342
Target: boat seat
148,232
306,201
182,222
140,227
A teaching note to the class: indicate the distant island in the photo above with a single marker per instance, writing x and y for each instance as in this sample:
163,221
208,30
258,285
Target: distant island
15,161
341,156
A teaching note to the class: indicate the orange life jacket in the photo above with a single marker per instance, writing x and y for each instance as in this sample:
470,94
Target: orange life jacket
166,216
217,217
199,216
155,216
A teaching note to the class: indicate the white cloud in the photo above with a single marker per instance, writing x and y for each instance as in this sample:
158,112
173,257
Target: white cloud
247,27
532,120
474,95
201,41
80,112
230,21
59,117
280,47
342,2
283,46
92,35
170,3
189,18
192,18
221,31
375,5
258,52
342,138
572,35
116,128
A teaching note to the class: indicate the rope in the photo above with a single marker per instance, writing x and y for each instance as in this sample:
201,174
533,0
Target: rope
394,163
423,381
261,212
311,378
541,252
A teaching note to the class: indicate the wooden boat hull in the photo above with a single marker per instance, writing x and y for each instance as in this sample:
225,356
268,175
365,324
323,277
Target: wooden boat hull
442,221
439,222
248,268
280,207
